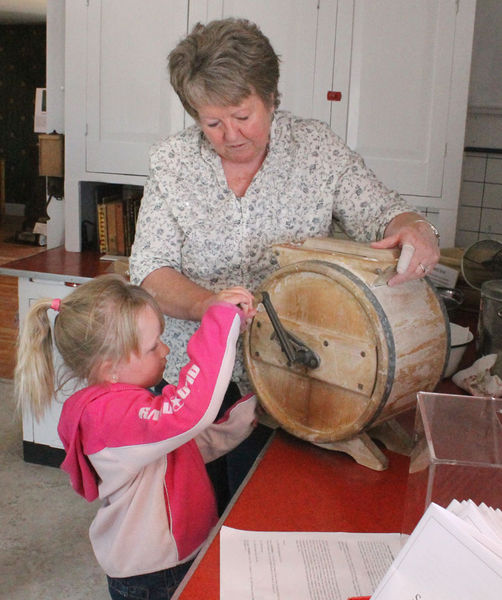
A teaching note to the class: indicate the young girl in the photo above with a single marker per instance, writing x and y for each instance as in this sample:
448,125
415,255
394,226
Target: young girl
142,454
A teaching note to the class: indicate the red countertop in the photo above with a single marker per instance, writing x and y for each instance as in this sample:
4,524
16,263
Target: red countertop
296,486
299,487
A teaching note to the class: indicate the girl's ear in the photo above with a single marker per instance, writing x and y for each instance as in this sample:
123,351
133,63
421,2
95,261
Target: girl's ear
106,372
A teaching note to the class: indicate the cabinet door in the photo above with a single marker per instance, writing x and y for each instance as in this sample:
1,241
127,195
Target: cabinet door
401,63
130,102
302,33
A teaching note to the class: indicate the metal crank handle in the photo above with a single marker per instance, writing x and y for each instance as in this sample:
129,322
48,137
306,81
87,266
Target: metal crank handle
278,328
294,349
304,354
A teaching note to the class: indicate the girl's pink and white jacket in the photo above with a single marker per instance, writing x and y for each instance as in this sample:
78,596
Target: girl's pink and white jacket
144,455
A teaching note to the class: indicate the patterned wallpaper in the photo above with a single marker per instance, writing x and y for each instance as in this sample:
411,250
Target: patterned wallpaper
22,70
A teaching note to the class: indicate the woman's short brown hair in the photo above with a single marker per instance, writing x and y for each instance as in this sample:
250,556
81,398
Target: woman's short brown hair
222,63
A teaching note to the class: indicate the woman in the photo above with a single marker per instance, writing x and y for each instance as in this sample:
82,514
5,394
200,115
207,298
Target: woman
247,176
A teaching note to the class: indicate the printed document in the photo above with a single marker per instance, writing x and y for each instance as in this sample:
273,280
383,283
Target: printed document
269,565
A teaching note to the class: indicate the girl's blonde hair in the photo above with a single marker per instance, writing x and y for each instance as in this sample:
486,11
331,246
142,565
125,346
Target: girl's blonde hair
96,322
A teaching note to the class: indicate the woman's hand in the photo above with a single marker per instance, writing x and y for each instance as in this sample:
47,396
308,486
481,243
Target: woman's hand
418,243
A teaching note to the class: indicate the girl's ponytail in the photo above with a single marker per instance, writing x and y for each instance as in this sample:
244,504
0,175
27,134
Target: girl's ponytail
96,322
34,376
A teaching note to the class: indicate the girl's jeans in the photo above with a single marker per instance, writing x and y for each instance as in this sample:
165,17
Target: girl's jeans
160,585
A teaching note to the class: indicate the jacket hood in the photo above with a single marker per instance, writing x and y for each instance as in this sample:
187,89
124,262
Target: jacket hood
83,477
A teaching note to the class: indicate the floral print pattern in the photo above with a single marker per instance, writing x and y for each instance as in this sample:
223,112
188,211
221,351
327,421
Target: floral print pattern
191,221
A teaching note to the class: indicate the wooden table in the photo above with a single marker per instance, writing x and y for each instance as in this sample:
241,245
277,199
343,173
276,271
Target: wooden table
58,264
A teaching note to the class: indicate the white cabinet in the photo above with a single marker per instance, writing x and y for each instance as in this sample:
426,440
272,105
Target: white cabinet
402,70
406,96
399,85
44,431
303,34
129,100
118,99
391,61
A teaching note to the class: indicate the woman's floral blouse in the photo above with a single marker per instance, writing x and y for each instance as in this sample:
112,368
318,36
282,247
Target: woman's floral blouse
191,221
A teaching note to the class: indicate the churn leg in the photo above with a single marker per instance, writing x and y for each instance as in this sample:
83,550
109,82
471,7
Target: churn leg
362,449
393,436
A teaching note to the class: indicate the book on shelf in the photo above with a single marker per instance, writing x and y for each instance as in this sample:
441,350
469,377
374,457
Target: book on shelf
101,220
111,226
116,221
103,194
120,227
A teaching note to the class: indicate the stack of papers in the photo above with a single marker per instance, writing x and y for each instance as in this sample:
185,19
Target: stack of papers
453,554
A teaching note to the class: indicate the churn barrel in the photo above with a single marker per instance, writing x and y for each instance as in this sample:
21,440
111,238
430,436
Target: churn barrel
376,346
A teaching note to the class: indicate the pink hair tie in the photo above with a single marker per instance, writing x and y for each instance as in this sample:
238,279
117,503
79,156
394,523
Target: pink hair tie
56,304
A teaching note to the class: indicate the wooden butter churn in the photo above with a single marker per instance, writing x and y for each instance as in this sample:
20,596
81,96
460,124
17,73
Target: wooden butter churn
335,354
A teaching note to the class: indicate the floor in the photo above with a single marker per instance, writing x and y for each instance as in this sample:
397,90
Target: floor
45,553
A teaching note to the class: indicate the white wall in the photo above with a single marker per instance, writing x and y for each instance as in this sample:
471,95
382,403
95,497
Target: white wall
480,205
55,65
484,121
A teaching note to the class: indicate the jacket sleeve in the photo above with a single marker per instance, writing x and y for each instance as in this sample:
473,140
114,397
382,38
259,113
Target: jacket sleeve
229,431
139,427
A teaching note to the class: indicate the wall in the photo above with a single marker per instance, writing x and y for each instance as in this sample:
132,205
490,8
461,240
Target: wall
55,65
480,210
484,121
22,70
480,206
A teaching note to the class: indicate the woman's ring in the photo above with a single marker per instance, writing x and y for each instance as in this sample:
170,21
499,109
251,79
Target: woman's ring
424,269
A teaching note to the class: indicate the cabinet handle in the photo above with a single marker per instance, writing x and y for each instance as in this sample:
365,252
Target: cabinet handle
333,96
